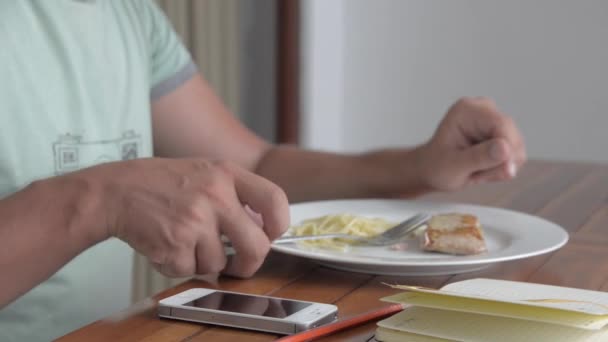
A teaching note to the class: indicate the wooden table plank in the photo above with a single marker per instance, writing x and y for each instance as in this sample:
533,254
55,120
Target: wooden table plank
572,207
598,220
232,335
582,263
574,195
485,194
532,198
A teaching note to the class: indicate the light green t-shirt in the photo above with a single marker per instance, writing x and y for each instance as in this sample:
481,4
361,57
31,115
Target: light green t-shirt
76,81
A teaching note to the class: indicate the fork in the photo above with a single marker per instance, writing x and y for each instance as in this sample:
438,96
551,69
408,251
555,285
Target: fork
388,237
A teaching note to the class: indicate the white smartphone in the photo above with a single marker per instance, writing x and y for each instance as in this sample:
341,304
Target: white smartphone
240,310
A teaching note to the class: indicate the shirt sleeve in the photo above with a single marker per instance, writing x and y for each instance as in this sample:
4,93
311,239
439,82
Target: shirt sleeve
170,63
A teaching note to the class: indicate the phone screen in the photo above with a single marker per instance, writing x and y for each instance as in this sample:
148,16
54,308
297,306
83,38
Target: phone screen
247,304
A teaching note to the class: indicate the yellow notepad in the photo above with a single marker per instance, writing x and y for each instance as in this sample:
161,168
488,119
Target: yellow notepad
469,327
497,310
386,334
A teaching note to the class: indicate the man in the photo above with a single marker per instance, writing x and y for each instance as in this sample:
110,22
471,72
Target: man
91,90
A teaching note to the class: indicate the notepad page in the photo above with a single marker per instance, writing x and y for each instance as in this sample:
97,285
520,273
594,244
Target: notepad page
502,309
469,327
564,298
587,301
390,335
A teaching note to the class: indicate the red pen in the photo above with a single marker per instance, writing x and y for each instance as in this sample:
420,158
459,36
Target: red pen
340,325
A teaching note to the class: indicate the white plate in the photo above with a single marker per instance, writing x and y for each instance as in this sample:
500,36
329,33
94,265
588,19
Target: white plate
509,235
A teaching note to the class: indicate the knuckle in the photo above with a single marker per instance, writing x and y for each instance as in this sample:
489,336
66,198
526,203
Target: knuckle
216,196
277,197
257,254
216,180
181,235
505,124
201,165
157,256
225,167
506,120
252,257
225,209
478,101
196,210
217,189
276,226
216,173
247,271
220,264
215,266
465,101
178,267
486,101
501,149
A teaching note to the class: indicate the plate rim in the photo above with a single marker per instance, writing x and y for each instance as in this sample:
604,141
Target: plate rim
334,258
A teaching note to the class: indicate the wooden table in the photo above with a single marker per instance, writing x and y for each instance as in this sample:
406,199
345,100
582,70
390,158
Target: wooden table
573,195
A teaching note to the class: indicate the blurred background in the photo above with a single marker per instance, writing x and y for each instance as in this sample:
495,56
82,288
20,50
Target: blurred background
359,74
398,64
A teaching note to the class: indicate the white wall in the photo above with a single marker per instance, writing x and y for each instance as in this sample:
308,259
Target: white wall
322,90
403,62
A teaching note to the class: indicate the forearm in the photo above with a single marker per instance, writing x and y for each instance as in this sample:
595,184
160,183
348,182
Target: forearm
42,227
308,175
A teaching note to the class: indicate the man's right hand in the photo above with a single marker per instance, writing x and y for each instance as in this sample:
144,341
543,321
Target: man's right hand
174,211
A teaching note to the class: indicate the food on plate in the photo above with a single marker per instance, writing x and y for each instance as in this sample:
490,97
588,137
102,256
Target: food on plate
454,233
451,233
339,223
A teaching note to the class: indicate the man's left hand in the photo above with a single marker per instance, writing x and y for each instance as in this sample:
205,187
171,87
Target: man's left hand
474,143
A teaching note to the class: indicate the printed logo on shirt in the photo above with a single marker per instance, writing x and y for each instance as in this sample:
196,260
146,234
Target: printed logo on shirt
72,152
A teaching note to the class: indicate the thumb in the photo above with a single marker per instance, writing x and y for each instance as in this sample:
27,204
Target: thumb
485,155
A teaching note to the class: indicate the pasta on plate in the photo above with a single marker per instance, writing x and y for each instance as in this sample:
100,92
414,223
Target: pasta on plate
339,223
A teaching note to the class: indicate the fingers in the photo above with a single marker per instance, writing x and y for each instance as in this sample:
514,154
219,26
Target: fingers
181,263
505,128
256,217
248,240
486,155
235,191
266,199
209,252
495,124
176,215
504,171
481,122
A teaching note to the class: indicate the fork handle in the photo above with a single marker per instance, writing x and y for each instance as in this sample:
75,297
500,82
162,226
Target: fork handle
289,239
